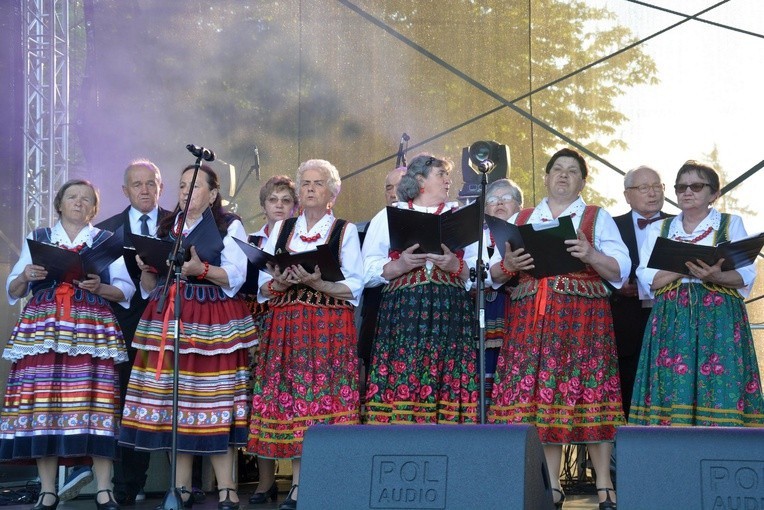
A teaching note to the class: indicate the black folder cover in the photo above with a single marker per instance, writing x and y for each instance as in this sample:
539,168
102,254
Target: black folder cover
66,266
322,257
671,255
455,229
153,252
544,241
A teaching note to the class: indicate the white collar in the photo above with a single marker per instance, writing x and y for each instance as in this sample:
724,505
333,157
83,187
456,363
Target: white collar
59,236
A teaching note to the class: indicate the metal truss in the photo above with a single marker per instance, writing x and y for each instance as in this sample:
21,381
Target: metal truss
46,107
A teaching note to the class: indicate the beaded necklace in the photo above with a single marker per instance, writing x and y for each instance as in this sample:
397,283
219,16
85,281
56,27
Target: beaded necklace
311,239
700,237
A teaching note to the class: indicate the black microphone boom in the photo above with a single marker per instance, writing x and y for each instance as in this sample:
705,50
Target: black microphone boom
401,159
201,152
257,163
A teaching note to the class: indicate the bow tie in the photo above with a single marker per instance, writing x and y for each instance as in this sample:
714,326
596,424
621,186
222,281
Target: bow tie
642,222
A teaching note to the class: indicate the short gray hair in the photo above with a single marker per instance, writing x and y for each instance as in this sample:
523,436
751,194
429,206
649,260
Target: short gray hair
628,178
333,181
508,184
422,164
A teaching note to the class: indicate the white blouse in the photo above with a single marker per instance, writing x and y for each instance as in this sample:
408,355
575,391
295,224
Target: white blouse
736,231
350,251
376,246
118,274
607,238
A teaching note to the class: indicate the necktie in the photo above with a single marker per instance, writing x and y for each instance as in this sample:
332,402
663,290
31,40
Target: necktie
642,222
144,224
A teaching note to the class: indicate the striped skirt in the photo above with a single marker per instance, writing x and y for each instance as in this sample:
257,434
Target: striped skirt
215,334
62,397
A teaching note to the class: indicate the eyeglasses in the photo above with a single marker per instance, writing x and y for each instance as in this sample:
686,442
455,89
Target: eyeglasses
695,186
645,188
495,200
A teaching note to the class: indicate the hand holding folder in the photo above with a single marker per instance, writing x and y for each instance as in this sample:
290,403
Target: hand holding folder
321,257
545,242
153,252
670,255
63,265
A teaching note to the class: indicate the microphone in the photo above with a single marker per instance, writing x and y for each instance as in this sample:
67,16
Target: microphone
401,159
201,152
485,166
257,163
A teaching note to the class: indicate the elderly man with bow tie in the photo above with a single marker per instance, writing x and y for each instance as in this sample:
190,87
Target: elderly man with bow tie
643,190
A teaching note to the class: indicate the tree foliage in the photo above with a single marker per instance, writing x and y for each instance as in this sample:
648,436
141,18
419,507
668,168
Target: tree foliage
313,78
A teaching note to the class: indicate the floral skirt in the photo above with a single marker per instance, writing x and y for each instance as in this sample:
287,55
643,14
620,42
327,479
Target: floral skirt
559,371
698,364
306,374
424,362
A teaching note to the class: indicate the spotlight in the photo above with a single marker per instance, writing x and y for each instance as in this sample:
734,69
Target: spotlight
483,157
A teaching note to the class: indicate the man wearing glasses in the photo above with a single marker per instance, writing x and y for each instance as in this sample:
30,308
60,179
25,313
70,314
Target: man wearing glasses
643,190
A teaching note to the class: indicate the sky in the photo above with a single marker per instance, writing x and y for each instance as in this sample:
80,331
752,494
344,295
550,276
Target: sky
710,94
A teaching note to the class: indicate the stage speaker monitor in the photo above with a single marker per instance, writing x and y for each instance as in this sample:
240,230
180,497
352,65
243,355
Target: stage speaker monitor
356,467
702,468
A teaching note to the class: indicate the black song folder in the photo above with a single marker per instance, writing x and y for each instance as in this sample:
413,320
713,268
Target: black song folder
670,255
65,265
455,229
153,252
545,242
322,257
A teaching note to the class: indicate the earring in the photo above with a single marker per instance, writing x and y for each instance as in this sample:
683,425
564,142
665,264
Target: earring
421,190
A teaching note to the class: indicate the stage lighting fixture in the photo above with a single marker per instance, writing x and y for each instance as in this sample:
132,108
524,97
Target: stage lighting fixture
488,157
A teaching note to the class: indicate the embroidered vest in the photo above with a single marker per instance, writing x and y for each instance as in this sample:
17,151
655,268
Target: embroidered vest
586,283
302,293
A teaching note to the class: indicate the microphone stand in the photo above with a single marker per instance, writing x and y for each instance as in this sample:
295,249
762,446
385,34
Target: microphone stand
172,498
479,278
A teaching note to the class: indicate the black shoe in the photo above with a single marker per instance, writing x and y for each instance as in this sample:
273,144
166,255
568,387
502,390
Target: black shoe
111,504
608,504
187,503
227,504
289,503
259,498
198,495
559,502
123,497
40,506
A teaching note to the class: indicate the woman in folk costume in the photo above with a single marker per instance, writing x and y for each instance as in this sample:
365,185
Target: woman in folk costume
278,199
558,367
216,331
698,364
423,359
62,397
307,370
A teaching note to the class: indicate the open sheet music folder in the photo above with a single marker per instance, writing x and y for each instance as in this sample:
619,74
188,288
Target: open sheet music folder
670,255
153,252
65,265
544,241
322,257
456,229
